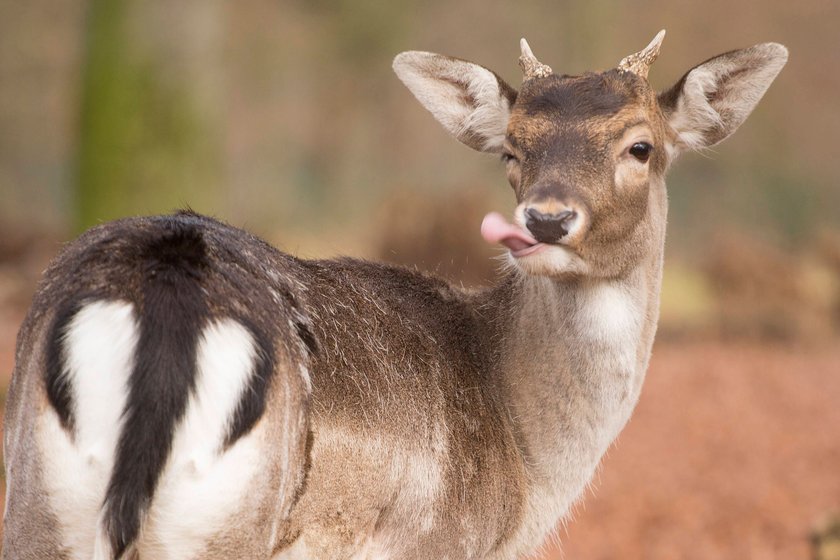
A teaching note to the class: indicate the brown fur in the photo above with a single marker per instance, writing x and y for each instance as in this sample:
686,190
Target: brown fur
441,423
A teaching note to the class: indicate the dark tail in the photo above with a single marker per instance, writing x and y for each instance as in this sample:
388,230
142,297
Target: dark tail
171,315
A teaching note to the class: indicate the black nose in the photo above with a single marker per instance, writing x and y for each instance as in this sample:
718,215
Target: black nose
548,228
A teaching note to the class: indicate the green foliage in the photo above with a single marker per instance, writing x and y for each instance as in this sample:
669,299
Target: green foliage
144,147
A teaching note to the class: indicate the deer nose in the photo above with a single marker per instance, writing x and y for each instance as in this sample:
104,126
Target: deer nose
548,228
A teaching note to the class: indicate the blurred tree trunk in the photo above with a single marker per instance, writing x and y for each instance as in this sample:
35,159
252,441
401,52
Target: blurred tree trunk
148,127
40,51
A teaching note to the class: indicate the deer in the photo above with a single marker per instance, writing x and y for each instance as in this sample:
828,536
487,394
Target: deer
184,390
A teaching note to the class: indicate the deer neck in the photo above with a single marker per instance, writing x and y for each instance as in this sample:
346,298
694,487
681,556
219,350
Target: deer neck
572,363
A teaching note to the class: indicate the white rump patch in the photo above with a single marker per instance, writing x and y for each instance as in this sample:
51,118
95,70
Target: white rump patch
99,346
201,487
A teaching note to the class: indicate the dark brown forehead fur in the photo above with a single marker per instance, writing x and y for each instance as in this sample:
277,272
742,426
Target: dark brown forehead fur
570,109
574,98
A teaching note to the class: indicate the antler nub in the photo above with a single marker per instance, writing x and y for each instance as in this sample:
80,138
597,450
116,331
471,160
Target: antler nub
531,67
640,62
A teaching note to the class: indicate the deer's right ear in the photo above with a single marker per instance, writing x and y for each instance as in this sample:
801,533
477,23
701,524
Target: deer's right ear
470,101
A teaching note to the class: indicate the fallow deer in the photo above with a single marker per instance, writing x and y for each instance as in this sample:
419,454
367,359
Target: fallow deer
183,390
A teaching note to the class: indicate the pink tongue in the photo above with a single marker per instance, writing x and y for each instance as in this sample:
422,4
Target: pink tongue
495,229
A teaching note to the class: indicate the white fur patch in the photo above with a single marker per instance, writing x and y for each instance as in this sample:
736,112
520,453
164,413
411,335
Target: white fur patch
201,487
608,312
371,550
464,97
298,551
99,345
420,475
610,319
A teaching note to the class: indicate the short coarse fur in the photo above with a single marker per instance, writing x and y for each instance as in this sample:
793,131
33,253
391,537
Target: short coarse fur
368,411
172,308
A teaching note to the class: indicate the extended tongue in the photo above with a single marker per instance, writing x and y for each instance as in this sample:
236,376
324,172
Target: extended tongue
495,229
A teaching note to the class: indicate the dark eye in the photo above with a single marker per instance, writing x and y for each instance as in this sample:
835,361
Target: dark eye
508,157
641,151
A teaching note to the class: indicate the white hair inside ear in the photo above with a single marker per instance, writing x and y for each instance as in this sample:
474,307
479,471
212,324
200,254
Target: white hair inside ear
713,99
470,101
695,116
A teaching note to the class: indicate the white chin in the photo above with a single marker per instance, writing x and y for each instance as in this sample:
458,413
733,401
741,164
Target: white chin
552,260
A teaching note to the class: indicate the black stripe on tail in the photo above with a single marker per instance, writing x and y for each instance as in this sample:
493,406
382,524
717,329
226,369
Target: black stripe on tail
252,402
55,371
172,314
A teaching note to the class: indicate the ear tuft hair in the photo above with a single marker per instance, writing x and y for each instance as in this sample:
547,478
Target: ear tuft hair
714,98
470,101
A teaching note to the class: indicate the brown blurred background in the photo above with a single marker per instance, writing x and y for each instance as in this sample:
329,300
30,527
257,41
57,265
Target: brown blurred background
285,118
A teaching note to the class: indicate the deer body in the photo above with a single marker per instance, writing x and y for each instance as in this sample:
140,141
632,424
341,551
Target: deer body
183,390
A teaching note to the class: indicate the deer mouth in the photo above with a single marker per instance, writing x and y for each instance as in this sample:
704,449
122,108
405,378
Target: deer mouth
496,229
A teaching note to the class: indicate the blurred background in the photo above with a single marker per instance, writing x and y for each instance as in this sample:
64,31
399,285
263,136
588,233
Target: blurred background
284,117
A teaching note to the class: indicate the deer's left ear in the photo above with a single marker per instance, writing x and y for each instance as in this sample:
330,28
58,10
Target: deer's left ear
470,101
712,100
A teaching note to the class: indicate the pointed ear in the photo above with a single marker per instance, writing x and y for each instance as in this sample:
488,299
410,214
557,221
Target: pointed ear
470,101
712,100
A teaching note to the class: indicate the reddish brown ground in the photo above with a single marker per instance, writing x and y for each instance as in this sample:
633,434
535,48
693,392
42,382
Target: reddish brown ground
733,453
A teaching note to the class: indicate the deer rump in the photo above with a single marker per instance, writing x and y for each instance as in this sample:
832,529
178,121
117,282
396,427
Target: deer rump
154,439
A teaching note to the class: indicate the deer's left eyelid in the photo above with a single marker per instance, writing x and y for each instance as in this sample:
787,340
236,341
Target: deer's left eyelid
508,156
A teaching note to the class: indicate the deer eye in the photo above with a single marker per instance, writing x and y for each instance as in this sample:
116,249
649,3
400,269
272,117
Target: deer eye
508,157
641,151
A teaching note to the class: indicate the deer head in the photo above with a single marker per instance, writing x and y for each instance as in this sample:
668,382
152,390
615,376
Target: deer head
586,155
